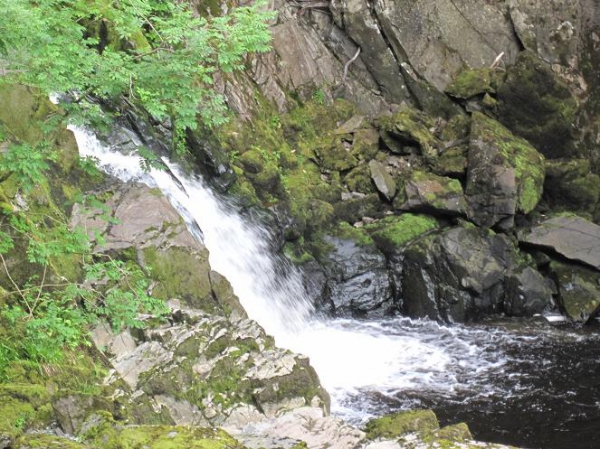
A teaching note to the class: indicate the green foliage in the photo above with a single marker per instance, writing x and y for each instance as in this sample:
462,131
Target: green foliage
157,54
47,315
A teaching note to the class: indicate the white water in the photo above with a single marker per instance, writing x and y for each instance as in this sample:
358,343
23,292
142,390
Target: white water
350,357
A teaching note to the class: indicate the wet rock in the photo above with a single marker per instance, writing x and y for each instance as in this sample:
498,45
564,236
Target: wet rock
358,280
527,293
426,192
535,104
572,237
456,275
382,179
505,174
579,290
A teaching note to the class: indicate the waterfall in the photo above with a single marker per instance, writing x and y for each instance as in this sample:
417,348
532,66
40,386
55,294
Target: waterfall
353,359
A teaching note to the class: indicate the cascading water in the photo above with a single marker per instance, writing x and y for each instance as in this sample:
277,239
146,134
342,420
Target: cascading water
368,367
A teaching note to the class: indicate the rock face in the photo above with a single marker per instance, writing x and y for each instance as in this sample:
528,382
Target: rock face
572,237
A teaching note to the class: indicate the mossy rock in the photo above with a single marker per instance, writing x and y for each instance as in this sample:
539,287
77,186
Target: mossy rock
393,232
455,433
402,423
453,162
334,155
410,127
513,151
359,236
354,209
471,82
365,144
181,274
427,192
535,104
456,129
23,407
359,180
570,185
168,437
43,441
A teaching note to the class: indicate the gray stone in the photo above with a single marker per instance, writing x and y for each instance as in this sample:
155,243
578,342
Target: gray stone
382,179
358,281
438,38
572,237
527,293
551,29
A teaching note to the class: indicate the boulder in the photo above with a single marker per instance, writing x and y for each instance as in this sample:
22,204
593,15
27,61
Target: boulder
393,233
426,192
402,423
358,281
462,274
527,293
572,237
382,179
505,174
578,289
471,82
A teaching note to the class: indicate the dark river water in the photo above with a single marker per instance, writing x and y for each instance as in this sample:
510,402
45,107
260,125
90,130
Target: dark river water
527,385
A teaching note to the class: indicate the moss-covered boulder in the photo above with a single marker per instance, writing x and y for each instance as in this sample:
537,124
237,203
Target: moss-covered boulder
408,128
427,192
472,82
579,290
505,174
44,441
401,423
535,104
394,232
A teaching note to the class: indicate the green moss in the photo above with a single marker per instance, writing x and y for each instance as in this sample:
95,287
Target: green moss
348,232
398,424
519,154
395,231
297,253
411,126
471,82
23,407
42,441
181,274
